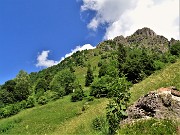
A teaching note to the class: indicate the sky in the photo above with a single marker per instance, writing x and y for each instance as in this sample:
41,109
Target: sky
36,34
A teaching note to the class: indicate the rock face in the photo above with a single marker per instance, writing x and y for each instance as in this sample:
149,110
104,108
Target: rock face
144,37
145,32
162,103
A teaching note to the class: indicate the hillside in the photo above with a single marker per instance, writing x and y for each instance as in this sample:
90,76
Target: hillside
62,116
72,97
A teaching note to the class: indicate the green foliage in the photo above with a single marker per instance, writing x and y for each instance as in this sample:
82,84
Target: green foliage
30,102
63,82
150,127
78,94
7,92
51,95
138,65
122,54
108,69
89,76
9,125
100,86
117,107
41,85
99,123
158,65
175,49
42,100
9,110
6,97
22,86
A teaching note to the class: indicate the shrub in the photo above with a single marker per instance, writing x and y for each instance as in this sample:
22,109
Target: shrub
42,100
90,98
77,95
100,87
30,102
23,104
175,49
98,123
158,65
51,95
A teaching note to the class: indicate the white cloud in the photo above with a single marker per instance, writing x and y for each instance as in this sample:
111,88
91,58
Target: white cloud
78,48
43,61
125,17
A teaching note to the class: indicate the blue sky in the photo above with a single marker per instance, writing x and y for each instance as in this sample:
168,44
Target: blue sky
34,31
29,26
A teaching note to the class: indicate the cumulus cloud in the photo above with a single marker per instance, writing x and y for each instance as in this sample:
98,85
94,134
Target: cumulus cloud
78,48
43,61
124,17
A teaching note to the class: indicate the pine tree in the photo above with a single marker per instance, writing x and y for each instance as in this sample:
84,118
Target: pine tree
121,58
89,76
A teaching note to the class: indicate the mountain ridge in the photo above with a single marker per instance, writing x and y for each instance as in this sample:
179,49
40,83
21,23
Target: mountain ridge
144,37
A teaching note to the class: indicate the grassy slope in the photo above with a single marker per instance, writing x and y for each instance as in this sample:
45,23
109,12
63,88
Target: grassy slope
60,117
169,76
54,118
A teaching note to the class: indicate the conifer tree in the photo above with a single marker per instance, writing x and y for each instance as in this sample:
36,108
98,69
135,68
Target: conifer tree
89,76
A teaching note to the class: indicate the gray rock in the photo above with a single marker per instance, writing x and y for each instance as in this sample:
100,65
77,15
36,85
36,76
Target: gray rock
159,104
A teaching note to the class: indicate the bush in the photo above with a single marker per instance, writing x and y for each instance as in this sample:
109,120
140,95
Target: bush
42,100
90,98
175,49
23,104
51,95
100,124
30,102
158,65
77,95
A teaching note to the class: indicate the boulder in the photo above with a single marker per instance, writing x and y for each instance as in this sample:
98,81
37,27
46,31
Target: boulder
162,103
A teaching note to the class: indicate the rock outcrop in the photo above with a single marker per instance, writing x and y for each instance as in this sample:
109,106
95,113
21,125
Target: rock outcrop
144,37
147,32
162,103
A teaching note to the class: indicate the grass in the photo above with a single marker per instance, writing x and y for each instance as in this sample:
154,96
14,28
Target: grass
44,119
169,76
65,117
150,127
53,118
82,124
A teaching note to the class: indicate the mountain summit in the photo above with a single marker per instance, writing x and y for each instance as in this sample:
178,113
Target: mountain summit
145,32
145,38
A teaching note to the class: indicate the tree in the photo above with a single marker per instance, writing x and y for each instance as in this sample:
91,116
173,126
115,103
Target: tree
7,92
78,93
41,87
89,76
175,49
117,107
100,86
108,69
63,82
121,58
22,86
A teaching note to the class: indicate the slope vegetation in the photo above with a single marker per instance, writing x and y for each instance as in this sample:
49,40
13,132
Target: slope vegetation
65,117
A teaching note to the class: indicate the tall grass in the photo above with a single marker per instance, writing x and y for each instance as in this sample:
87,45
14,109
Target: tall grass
150,127
169,76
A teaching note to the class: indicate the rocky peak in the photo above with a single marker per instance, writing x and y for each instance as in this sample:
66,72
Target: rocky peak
145,32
